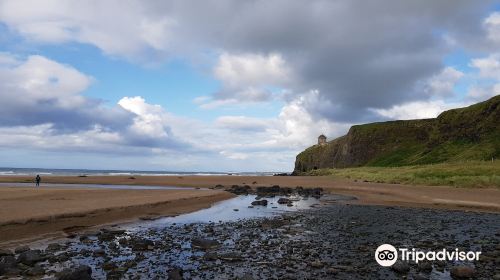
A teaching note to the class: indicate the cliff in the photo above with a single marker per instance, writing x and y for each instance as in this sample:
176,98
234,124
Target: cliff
471,133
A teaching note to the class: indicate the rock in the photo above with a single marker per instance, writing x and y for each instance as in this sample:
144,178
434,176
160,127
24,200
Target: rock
175,274
284,200
401,267
424,266
317,264
7,264
260,202
21,249
53,247
246,277
462,272
79,273
36,271
231,257
6,252
240,190
205,244
30,257
218,187
99,253
420,276
141,244
210,256
496,277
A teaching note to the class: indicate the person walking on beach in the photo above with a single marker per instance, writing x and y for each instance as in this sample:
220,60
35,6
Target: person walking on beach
37,180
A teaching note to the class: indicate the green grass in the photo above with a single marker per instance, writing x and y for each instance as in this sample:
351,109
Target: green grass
471,174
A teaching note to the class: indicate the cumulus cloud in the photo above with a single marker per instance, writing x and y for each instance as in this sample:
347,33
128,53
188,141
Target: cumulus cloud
442,85
38,90
247,78
41,100
358,55
131,31
492,25
489,67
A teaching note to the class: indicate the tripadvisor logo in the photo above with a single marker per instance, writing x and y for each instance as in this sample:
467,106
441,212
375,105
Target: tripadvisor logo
387,255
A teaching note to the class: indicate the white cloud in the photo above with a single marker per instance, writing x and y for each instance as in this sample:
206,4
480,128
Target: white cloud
247,78
442,84
119,28
489,67
478,93
417,110
492,25
251,70
150,119
40,79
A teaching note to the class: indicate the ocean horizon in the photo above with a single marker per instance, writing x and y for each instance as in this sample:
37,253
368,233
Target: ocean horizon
14,171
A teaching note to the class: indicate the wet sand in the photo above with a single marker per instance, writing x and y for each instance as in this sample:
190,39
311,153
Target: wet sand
29,212
477,199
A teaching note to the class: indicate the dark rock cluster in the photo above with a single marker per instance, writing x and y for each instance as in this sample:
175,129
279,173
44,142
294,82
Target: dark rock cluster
275,190
335,241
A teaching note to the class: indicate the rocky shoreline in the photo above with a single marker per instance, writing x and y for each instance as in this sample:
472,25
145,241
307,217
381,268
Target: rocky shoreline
336,240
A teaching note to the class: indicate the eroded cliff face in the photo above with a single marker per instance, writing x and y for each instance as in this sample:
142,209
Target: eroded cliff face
460,134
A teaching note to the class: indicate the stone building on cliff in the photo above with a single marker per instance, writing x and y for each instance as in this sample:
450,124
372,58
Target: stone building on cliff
322,140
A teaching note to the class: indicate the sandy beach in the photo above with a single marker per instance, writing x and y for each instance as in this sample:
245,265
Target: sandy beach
479,199
28,212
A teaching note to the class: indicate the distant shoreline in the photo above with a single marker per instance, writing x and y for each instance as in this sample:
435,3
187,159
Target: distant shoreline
14,171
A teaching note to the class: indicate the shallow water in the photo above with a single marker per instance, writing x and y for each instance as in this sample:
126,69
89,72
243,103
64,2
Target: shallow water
97,186
234,209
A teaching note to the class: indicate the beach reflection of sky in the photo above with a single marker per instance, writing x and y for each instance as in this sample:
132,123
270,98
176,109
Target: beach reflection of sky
224,211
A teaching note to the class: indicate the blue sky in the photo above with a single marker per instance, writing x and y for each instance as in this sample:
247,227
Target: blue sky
227,86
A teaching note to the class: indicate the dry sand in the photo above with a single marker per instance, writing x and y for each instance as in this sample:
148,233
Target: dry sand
25,212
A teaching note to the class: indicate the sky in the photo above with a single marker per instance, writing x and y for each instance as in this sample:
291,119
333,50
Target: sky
219,85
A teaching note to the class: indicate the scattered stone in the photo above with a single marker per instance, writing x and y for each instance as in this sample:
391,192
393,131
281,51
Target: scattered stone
204,244
420,276
284,200
6,252
240,190
141,244
210,256
7,264
52,247
425,266
317,264
401,267
30,257
262,202
175,274
462,272
231,257
79,273
35,271
21,249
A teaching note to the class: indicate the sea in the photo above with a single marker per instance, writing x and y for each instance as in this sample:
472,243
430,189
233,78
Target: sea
8,171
